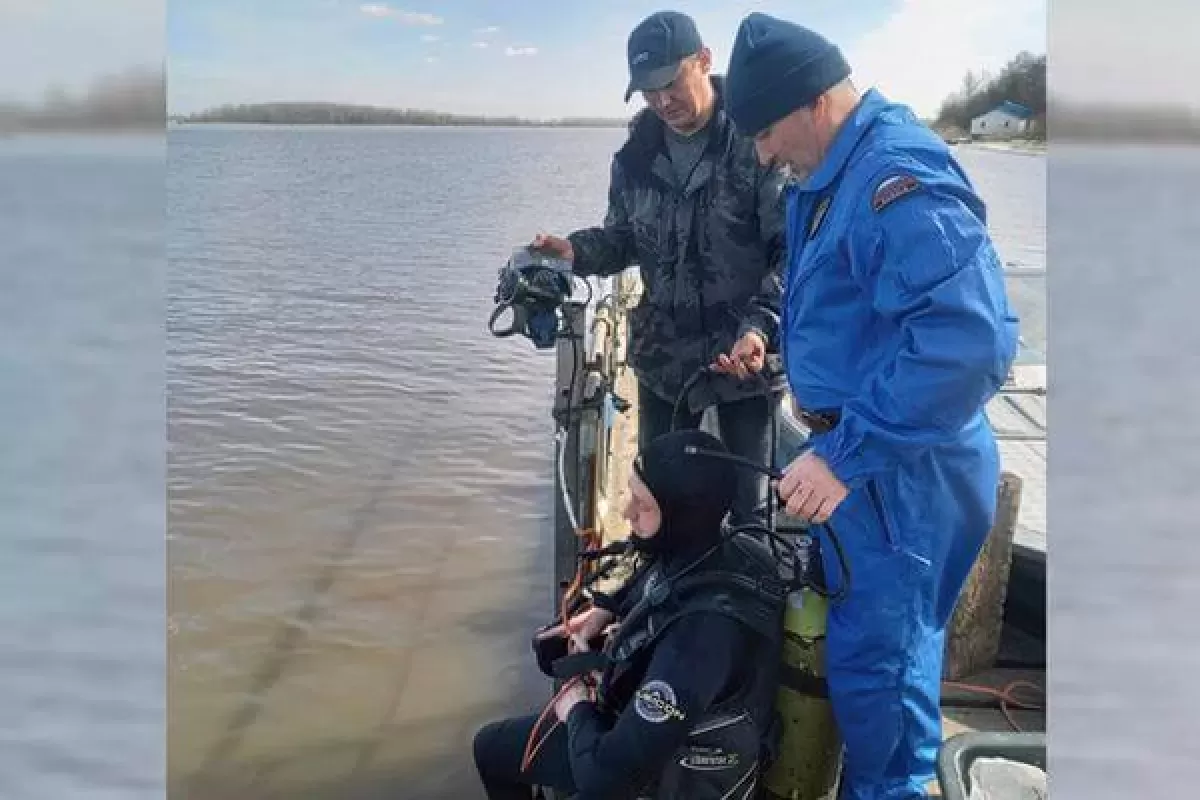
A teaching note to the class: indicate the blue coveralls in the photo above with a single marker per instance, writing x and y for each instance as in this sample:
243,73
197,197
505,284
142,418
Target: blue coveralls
895,315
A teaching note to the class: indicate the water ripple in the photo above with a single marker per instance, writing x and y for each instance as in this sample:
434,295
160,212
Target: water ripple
357,469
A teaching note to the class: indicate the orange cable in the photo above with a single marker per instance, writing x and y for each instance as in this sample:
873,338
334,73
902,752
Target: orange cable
589,537
1005,696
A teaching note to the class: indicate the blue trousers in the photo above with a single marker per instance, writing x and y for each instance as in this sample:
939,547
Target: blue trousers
911,536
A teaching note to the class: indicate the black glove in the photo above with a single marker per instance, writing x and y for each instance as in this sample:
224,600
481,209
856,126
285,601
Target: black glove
549,649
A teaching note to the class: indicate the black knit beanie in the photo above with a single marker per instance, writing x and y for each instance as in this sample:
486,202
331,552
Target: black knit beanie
694,492
776,67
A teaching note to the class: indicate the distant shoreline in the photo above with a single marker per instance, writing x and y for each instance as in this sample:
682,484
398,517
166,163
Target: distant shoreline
1019,146
356,115
364,125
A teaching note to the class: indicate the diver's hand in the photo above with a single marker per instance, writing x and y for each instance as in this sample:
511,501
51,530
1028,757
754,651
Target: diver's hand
748,356
576,693
810,490
587,624
554,245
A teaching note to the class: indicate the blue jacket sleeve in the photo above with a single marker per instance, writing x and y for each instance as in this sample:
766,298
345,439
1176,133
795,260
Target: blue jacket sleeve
927,262
694,661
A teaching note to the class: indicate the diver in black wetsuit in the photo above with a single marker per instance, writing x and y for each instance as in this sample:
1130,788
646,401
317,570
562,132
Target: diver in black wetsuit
686,684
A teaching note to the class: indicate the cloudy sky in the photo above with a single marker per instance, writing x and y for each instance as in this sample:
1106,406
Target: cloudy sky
72,42
548,58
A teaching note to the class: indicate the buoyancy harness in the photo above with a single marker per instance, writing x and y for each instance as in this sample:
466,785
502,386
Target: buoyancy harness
726,749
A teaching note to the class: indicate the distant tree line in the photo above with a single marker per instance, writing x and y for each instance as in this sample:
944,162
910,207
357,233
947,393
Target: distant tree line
1023,81
134,99
339,114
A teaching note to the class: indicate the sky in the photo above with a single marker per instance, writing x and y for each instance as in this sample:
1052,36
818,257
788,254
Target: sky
73,42
552,58
1125,51
549,58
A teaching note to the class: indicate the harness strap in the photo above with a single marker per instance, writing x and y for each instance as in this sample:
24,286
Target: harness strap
803,682
576,664
771,589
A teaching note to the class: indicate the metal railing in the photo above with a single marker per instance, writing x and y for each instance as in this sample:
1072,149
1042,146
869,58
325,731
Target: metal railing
590,357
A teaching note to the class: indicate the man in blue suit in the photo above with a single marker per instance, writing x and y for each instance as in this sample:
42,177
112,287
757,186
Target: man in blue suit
896,332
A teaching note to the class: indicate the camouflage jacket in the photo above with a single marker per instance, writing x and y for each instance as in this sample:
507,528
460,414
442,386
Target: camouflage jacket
710,255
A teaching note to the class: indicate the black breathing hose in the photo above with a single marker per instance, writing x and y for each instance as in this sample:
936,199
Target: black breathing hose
688,385
771,472
776,474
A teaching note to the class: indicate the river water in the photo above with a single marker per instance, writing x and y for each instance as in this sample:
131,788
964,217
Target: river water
82,465
359,505
358,475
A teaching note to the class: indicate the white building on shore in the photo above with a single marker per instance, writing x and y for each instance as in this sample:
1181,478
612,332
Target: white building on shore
1002,122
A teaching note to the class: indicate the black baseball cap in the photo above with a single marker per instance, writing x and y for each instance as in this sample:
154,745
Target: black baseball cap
656,47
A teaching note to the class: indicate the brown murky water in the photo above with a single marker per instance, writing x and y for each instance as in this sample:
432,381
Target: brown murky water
359,474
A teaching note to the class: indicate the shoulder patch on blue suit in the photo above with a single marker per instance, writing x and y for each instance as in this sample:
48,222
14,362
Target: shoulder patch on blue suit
892,189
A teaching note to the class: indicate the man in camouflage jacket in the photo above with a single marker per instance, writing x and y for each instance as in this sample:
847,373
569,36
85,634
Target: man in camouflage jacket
690,204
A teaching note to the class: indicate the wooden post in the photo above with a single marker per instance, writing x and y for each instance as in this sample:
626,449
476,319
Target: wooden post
571,354
973,634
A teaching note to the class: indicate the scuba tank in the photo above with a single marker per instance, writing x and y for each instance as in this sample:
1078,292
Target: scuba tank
805,750
808,759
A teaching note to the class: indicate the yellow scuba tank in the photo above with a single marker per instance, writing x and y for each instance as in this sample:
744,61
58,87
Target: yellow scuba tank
808,761
808,753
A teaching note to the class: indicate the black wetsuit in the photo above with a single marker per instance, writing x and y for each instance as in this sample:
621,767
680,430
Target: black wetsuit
687,695
592,757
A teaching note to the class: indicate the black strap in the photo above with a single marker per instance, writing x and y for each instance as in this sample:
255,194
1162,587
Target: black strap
605,601
803,682
769,588
577,664
820,421
520,318
769,625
